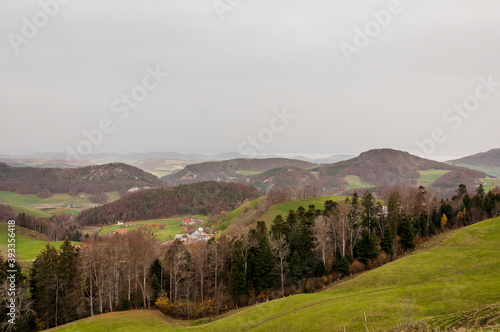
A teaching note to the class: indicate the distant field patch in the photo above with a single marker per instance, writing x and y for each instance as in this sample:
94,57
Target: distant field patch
246,172
55,204
428,177
354,182
490,184
33,212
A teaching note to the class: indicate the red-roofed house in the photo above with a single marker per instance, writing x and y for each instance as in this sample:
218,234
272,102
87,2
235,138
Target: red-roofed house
121,231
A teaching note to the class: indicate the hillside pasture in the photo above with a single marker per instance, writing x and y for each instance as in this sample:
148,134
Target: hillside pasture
284,208
354,182
428,177
55,204
28,243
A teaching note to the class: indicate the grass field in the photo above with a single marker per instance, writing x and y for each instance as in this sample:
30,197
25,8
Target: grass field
28,242
168,227
490,184
455,273
283,208
46,207
246,172
428,177
354,182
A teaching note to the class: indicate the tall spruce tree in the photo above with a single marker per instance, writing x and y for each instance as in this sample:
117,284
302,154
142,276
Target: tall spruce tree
367,247
239,281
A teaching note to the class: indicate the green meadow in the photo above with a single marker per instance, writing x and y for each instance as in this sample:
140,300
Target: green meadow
428,177
28,243
55,204
354,182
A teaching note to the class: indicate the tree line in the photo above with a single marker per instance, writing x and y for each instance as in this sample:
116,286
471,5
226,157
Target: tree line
299,252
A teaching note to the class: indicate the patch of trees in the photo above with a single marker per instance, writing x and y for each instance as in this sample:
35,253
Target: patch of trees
203,198
6,213
90,179
56,228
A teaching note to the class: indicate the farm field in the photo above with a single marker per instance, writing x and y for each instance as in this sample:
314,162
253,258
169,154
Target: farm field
166,230
490,184
246,172
354,182
28,242
453,275
51,205
428,177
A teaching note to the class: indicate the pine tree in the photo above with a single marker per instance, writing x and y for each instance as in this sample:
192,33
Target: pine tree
407,232
69,282
367,247
387,242
239,281
261,260
343,266
44,285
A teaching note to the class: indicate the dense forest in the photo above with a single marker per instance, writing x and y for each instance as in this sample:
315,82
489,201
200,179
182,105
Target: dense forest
91,179
199,198
299,252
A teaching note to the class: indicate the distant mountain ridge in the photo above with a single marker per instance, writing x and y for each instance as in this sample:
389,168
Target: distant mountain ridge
488,162
373,169
89,179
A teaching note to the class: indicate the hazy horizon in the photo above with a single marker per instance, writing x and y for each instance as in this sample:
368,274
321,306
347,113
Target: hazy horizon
259,78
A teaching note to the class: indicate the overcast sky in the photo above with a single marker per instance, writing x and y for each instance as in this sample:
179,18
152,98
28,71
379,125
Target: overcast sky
228,75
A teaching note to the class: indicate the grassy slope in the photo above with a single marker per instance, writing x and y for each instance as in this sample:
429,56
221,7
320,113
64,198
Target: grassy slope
491,184
283,208
354,182
428,177
27,247
457,271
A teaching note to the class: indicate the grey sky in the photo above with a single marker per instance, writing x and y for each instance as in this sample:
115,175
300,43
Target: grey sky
226,77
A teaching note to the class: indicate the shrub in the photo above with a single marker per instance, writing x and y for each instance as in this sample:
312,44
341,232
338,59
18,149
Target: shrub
357,267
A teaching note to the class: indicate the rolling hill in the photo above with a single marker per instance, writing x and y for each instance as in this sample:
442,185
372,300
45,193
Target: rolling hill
230,170
488,162
452,278
89,179
385,167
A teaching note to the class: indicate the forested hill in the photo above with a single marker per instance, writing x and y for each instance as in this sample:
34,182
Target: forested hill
385,167
89,179
198,198
230,170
